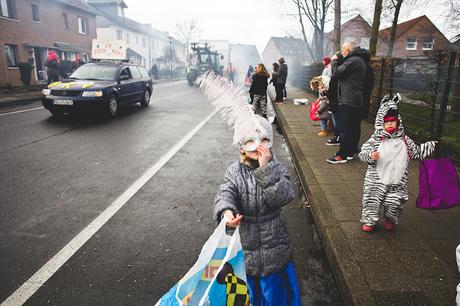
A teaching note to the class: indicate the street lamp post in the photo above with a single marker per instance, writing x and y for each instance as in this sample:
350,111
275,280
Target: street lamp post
170,56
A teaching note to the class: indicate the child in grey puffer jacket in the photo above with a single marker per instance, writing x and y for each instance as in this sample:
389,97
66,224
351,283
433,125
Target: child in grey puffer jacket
252,196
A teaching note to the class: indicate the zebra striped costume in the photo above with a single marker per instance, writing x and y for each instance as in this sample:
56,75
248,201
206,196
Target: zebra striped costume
386,180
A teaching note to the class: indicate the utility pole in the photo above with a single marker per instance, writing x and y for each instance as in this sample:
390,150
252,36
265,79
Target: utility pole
170,56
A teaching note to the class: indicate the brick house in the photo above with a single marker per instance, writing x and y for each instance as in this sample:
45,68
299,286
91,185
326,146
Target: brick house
30,28
357,29
413,37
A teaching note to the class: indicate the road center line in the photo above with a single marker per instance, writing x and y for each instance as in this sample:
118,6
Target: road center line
23,293
21,111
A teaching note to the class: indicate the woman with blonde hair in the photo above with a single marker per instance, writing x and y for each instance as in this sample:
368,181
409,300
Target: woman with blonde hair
258,90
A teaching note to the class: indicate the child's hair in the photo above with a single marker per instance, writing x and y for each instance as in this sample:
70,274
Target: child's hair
316,83
262,70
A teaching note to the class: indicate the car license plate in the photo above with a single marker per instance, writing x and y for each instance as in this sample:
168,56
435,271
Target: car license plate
63,102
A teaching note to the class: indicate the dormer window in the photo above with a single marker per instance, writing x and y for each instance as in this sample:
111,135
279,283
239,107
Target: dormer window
428,43
121,11
411,43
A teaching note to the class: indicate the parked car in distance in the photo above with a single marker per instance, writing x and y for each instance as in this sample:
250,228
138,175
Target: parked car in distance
103,85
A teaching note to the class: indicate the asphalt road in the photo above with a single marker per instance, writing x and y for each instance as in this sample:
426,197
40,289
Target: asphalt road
58,175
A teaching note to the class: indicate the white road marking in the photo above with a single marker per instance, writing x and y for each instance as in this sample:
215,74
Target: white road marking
21,111
23,293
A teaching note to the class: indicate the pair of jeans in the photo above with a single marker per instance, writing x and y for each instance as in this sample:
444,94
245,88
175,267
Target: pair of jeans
279,92
323,123
336,121
350,121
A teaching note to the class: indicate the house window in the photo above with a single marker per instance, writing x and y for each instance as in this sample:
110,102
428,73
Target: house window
411,43
428,43
6,8
11,55
143,42
35,13
127,38
85,57
119,35
82,25
120,11
65,21
137,40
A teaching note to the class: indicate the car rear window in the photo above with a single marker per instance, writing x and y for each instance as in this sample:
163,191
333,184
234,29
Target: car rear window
143,72
134,72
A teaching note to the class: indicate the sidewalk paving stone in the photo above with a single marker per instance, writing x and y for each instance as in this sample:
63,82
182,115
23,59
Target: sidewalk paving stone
413,265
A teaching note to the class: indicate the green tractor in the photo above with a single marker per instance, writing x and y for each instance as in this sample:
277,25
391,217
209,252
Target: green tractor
202,59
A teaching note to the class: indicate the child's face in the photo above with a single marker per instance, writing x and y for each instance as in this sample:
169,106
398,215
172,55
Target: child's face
390,125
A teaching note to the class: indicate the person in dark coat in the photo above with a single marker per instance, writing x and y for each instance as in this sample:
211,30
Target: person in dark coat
258,90
281,77
349,68
52,64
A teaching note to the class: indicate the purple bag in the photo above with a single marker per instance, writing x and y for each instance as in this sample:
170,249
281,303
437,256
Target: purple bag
439,187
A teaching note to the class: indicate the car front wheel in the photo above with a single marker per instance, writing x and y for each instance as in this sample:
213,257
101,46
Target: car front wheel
145,99
112,106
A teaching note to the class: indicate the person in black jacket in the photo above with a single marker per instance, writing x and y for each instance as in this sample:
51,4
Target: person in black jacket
281,77
258,90
349,68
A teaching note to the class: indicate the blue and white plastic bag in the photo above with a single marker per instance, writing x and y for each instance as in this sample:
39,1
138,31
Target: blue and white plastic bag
217,278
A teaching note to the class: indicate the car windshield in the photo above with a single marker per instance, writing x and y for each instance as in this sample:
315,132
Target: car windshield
95,72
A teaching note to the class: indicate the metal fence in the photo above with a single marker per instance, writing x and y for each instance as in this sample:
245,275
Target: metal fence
430,90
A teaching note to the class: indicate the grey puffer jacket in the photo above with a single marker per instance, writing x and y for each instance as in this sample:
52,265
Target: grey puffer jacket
259,194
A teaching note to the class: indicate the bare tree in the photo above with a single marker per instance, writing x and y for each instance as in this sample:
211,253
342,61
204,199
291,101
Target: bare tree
316,12
452,14
187,32
337,22
375,27
396,5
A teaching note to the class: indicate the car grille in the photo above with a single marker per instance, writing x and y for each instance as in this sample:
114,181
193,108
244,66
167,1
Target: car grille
66,93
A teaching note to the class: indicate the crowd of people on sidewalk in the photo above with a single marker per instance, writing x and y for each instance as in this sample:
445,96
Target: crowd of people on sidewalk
344,93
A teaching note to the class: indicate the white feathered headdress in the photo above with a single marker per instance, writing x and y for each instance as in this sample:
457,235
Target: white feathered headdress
232,104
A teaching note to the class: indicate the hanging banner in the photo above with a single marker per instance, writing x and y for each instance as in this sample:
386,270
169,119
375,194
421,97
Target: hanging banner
109,49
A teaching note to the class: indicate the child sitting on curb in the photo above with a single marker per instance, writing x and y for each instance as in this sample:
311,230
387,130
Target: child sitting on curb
321,84
387,154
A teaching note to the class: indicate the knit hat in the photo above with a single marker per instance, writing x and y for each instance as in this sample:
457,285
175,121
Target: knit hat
326,60
391,115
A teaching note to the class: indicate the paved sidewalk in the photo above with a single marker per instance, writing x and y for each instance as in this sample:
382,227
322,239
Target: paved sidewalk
414,265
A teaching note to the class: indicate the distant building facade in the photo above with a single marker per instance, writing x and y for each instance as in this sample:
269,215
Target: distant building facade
413,38
357,30
292,49
29,29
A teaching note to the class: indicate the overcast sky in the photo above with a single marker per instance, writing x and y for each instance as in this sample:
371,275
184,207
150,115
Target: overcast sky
254,21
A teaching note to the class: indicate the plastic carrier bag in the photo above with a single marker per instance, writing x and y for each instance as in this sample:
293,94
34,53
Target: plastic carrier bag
314,106
217,278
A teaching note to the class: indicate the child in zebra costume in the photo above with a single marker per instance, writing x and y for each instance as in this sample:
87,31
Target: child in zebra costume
387,153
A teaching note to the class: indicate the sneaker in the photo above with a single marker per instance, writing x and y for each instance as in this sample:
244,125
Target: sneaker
284,99
367,228
388,225
334,141
349,157
336,160
322,134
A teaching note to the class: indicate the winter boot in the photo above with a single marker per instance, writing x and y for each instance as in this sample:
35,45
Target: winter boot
367,228
388,225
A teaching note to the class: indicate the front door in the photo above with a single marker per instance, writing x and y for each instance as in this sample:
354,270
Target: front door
38,63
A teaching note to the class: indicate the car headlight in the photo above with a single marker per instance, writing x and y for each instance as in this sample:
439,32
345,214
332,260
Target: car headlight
46,92
93,93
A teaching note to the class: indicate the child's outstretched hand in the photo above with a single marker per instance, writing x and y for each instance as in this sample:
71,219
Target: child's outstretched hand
232,221
264,155
375,155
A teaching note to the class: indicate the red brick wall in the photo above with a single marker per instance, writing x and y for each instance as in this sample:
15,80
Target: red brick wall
355,28
423,28
49,30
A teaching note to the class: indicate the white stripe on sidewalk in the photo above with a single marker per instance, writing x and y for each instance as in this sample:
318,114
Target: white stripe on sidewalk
23,293
21,111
